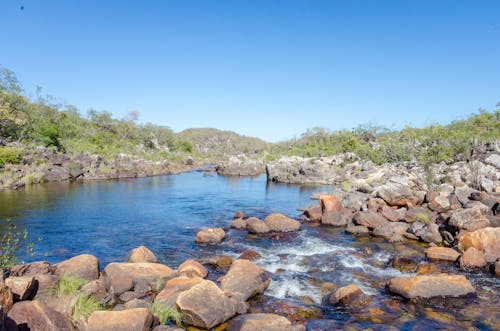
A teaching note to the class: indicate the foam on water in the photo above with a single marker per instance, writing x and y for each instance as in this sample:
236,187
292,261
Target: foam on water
294,288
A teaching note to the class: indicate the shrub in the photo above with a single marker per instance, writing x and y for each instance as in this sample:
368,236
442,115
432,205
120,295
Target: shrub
69,284
9,155
12,243
165,313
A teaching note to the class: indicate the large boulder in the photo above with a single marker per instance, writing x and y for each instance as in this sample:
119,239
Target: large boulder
245,279
392,231
6,297
440,204
419,214
486,240
35,315
255,225
261,321
84,266
472,258
239,224
204,305
313,213
210,236
138,319
369,219
121,277
396,194
191,268
31,269
431,286
330,205
300,170
173,288
241,166
337,218
426,232
442,253
469,219
141,254
23,288
280,223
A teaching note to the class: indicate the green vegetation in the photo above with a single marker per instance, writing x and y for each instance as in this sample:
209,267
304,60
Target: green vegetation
69,284
12,243
165,313
85,305
9,155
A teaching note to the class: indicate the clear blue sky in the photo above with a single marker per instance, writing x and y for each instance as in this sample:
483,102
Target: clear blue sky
266,68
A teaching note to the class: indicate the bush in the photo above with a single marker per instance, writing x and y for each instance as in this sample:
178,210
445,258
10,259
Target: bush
12,243
9,155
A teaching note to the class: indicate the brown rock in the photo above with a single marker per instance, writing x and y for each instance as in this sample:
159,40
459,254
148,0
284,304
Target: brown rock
350,295
427,232
442,253
486,240
440,204
45,285
375,205
357,230
141,254
369,219
392,231
419,214
136,303
31,269
63,304
96,288
210,236
240,214
23,288
221,262
245,279
400,195
35,315
6,297
497,268
472,258
255,225
404,263
250,255
430,286
85,266
239,224
469,219
261,321
280,223
174,288
191,268
314,213
121,277
427,269
204,305
337,218
393,215
329,203
138,319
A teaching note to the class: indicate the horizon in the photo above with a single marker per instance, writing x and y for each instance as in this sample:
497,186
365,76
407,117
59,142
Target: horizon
260,69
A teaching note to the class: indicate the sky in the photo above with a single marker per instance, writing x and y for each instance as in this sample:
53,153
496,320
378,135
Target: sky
270,68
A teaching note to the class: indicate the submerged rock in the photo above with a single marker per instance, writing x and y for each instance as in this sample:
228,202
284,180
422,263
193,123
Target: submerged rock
261,321
141,254
255,225
431,286
210,236
239,224
313,213
350,295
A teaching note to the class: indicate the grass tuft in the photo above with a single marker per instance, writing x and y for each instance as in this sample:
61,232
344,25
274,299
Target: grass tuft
85,306
165,313
69,284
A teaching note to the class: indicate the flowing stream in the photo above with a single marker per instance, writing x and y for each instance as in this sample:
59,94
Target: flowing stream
109,218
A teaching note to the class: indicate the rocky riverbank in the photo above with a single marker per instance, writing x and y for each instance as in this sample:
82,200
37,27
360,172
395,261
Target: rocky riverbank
44,165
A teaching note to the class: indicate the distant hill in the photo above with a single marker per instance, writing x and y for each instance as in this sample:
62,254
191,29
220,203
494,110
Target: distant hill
218,142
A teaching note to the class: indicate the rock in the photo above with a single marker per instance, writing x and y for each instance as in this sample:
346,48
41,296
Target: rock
45,285
486,240
497,268
121,277
494,160
393,215
239,224
469,219
440,204
204,305
241,166
167,328
313,213
240,214
330,205
96,288
392,231
136,303
396,194
419,214
173,288
404,263
280,223
250,255
261,321
6,297
337,218
84,266
22,288
31,269
426,232
245,279
141,254
221,262
210,236
255,225
442,253
191,268
357,230
375,205
431,286
138,319
300,170
472,258
369,219
350,295
427,269
35,315
62,304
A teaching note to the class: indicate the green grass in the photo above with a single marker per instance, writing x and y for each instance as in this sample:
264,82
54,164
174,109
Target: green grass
85,306
69,284
9,155
165,313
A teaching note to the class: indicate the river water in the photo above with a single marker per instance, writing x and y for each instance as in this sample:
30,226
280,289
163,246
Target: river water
109,218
